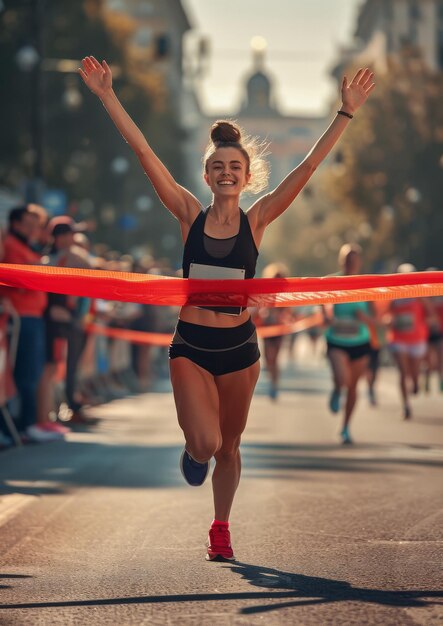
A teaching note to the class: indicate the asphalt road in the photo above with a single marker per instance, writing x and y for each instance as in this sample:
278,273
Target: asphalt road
101,529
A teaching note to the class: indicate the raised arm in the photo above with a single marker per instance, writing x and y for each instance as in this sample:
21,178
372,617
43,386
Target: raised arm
178,200
354,94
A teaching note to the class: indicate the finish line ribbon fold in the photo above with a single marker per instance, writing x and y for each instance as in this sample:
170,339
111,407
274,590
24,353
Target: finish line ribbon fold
257,292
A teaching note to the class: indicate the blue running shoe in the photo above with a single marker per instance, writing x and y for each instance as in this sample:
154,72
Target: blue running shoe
346,437
273,392
193,472
371,396
334,401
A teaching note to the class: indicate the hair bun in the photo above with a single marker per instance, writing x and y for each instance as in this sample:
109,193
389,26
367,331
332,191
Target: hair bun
225,132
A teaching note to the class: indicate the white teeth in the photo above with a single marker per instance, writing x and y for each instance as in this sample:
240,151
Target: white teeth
226,182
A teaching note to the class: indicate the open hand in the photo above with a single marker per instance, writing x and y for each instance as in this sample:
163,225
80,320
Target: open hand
98,77
356,92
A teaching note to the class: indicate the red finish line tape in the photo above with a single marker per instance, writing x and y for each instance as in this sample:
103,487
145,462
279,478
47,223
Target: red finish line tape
258,292
164,339
288,329
138,337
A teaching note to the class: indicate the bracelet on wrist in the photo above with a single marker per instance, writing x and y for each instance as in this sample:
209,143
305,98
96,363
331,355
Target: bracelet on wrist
345,114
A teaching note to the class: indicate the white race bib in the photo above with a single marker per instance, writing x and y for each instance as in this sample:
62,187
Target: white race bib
214,272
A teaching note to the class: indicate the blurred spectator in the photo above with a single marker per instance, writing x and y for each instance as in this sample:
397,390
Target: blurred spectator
63,325
81,240
29,305
107,367
77,338
41,237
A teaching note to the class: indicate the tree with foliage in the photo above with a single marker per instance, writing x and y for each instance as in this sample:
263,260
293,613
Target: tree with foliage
82,154
391,165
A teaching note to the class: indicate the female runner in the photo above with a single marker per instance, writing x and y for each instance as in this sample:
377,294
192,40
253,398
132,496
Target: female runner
214,358
348,342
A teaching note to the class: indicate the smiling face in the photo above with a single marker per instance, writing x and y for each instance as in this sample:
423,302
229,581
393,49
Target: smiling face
227,172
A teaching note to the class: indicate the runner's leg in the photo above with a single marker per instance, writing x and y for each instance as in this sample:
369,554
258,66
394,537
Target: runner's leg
356,371
197,404
401,359
339,361
235,393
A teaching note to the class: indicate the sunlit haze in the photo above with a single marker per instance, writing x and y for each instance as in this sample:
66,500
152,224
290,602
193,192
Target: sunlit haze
303,39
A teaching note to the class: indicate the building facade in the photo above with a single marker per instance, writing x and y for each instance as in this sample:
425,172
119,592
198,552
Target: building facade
385,27
155,50
290,137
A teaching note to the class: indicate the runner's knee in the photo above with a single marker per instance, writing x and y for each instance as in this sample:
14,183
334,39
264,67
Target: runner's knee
228,449
202,448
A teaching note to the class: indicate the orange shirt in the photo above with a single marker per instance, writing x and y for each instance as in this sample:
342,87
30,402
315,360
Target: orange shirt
27,303
408,321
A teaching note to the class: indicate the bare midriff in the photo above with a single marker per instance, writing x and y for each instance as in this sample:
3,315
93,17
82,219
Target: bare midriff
203,317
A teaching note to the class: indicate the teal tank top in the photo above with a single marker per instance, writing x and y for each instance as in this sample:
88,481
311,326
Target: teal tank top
346,329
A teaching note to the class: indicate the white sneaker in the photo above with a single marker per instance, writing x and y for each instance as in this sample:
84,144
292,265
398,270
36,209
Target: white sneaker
39,435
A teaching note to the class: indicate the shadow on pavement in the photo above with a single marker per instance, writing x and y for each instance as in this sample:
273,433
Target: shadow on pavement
300,590
306,590
12,576
57,467
335,458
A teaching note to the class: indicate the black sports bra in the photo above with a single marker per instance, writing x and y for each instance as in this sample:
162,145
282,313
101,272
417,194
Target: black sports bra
218,248
241,250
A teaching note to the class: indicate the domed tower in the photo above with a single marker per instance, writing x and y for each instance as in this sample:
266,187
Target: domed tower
259,100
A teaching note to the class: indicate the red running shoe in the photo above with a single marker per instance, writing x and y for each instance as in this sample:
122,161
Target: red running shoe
219,544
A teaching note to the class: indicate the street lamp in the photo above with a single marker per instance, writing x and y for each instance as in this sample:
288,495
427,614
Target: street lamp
72,97
119,165
27,58
413,195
